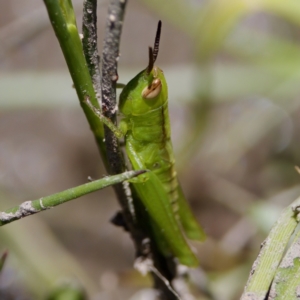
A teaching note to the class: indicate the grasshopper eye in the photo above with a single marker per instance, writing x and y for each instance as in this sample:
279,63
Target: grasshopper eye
151,91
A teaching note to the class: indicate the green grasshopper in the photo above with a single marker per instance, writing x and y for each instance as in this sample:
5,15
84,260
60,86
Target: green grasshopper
146,128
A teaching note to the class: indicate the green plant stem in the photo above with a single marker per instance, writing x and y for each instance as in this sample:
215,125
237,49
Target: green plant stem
34,206
287,280
63,21
270,255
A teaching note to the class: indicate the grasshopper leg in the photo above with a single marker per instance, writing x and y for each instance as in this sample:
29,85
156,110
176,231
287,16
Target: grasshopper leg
117,132
156,202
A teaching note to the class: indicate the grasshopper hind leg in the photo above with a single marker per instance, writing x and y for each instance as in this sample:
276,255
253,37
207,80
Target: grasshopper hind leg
156,202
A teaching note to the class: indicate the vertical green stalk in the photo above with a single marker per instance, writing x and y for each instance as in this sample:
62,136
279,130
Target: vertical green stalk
63,21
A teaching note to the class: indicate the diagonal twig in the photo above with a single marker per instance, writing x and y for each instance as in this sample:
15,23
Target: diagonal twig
31,207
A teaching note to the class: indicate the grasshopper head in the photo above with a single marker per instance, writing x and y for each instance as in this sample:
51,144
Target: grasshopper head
145,92
148,90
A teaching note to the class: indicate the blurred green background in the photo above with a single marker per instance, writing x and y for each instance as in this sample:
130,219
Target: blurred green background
233,69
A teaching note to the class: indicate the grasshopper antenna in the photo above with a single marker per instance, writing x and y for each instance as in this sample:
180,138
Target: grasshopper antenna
151,61
156,43
153,52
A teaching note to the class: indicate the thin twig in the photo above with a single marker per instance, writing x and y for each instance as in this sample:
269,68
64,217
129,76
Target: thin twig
114,160
145,265
34,206
110,56
89,42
